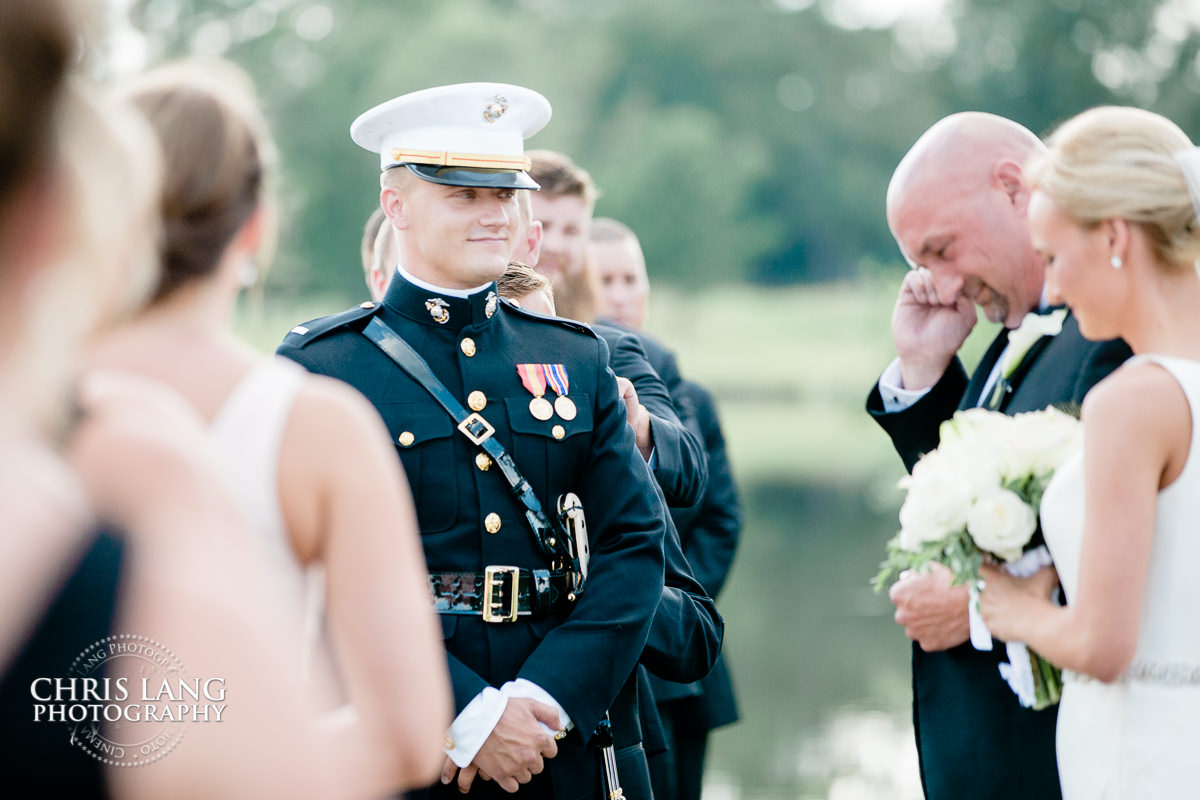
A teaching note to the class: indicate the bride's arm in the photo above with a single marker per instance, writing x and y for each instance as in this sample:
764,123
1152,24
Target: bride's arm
1136,440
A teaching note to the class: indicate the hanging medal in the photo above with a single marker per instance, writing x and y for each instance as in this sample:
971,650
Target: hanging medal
533,376
556,375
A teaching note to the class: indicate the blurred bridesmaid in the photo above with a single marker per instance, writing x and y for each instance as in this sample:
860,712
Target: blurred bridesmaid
308,458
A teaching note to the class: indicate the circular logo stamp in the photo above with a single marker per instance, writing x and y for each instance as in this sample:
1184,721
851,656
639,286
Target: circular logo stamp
126,684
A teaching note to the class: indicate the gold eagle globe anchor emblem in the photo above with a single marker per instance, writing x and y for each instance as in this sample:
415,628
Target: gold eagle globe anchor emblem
437,309
495,109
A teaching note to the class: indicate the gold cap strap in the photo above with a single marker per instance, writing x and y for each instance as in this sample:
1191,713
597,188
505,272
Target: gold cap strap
443,158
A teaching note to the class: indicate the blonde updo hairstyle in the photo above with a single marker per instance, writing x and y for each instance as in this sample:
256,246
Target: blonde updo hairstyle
1113,162
217,150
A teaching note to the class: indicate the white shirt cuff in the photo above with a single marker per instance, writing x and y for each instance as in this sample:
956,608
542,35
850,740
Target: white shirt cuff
891,389
527,688
474,725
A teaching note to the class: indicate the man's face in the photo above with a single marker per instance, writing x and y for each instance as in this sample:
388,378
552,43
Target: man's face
976,244
458,237
566,222
621,272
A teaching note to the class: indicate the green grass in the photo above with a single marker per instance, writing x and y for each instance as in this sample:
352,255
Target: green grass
791,368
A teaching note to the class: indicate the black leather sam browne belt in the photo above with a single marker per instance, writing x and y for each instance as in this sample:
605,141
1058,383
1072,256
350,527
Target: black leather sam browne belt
501,594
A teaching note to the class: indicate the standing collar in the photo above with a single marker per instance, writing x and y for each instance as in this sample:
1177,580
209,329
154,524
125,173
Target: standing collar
429,287
438,307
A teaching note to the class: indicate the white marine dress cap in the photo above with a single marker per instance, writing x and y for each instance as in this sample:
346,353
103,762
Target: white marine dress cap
465,134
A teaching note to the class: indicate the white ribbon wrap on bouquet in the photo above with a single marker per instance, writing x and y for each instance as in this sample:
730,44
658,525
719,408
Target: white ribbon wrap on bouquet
1018,673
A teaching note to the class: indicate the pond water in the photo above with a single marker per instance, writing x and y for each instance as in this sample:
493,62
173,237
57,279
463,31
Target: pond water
821,670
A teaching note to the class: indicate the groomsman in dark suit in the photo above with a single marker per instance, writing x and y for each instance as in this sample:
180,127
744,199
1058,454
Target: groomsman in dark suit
562,218
956,206
709,529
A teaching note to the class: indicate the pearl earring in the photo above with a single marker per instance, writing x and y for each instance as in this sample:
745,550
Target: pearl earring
1116,262
248,274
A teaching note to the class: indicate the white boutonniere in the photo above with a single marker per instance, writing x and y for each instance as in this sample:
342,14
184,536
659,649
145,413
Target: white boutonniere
1032,328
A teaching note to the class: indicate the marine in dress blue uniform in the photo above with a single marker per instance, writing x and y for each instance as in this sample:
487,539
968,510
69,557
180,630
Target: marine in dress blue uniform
576,650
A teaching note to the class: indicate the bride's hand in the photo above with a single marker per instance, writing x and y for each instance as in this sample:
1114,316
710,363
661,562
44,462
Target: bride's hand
1006,600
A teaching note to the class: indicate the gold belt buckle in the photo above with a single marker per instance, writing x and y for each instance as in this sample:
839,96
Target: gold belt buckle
464,426
493,582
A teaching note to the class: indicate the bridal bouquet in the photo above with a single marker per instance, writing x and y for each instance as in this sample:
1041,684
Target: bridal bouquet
977,496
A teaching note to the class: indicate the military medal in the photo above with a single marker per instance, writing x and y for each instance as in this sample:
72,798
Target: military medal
541,409
556,376
565,407
533,377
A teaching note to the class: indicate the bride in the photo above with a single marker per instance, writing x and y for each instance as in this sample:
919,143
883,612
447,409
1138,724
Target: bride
1114,213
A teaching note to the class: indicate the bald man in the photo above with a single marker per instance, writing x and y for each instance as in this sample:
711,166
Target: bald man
956,206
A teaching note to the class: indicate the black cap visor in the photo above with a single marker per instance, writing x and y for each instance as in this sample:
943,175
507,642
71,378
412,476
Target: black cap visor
483,178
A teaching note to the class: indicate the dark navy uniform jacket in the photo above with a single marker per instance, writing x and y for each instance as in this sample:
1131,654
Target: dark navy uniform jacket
584,657
973,738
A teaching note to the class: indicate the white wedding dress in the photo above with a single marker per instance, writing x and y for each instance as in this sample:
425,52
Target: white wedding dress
248,431
1138,737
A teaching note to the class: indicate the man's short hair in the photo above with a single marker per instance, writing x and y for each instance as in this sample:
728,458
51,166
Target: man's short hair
559,176
520,280
396,177
607,229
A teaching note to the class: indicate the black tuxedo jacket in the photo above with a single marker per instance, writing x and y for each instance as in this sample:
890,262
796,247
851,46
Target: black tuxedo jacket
681,467
973,737
685,637
710,531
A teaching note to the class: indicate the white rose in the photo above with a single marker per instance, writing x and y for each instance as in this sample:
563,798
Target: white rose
975,461
1039,443
937,504
974,424
1002,523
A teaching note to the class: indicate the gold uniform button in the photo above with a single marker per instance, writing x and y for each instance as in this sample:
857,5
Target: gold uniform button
448,743
468,346
491,523
483,462
406,439
367,304
477,401
558,431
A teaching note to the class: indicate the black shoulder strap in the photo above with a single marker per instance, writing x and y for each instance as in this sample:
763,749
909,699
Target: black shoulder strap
479,431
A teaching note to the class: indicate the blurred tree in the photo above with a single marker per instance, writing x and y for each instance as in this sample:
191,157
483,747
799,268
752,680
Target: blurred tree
742,139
